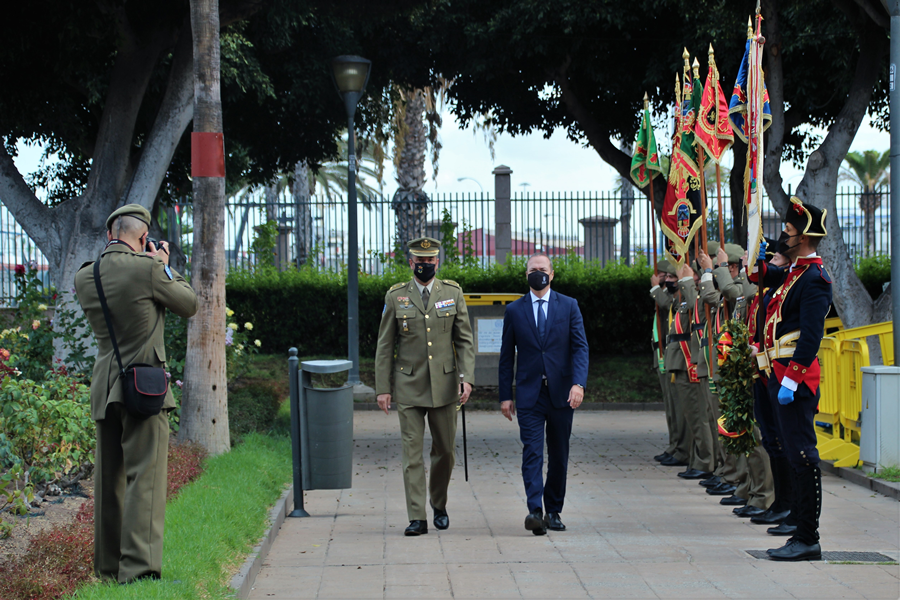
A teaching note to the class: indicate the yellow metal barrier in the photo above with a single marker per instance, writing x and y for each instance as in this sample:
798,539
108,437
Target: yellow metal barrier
489,299
842,356
834,324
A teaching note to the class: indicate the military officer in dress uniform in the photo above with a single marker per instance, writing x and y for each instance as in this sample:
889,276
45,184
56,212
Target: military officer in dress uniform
794,326
130,467
426,320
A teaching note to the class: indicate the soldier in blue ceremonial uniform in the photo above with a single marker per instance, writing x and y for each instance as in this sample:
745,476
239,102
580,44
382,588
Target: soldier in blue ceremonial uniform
794,325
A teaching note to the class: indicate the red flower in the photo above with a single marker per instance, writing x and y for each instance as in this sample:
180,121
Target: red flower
20,269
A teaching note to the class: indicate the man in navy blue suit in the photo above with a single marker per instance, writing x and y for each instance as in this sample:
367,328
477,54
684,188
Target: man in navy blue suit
546,329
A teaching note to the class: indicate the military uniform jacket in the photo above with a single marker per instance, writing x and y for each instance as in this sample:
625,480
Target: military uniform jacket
675,360
434,345
138,290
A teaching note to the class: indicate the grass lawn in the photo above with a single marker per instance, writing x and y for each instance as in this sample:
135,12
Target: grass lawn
213,523
610,378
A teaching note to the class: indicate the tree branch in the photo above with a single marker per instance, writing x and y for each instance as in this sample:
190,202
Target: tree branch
135,60
597,136
172,119
878,17
32,215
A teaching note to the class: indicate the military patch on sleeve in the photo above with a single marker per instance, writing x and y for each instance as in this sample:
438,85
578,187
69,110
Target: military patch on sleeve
168,272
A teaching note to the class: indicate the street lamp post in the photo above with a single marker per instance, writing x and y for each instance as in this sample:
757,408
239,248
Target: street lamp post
351,73
480,189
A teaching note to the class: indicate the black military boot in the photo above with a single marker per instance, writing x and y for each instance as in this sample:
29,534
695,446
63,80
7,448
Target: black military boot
804,544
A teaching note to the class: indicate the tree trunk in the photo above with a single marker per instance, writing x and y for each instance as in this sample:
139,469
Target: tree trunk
627,202
303,218
204,410
410,203
819,184
736,193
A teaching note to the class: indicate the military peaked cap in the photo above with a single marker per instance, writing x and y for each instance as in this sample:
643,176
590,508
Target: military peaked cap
424,246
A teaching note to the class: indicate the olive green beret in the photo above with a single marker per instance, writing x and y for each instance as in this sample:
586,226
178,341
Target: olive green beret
131,210
424,246
735,253
665,266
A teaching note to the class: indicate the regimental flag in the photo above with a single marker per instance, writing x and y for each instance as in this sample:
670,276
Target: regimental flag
645,160
737,108
682,214
713,128
758,117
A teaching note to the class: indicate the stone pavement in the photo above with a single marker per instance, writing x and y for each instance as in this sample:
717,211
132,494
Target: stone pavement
635,530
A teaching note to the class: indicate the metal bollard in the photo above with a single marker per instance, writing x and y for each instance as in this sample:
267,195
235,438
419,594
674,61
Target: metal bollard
296,454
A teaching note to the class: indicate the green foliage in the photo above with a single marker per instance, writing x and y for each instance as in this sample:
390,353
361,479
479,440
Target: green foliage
263,245
874,272
735,388
448,238
252,408
47,425
888,474
308,310
16,492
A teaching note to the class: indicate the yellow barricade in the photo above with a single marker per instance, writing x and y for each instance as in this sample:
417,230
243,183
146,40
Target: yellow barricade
842,356
489,299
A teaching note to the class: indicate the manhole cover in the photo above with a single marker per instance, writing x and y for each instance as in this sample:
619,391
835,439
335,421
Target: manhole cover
837,556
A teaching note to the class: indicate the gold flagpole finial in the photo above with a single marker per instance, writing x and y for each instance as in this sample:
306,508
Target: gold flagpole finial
758,7
712,61
696,67
687,61
749,27
646,101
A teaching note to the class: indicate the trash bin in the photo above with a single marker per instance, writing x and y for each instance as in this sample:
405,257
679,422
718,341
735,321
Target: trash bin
326,428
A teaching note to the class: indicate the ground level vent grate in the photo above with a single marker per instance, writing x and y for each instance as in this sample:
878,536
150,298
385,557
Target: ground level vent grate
837,556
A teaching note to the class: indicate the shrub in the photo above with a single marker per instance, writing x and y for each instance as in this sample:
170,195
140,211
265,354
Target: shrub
47,425
308,310
874,272
252,408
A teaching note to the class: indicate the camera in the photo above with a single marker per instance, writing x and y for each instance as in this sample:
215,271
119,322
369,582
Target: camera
156,244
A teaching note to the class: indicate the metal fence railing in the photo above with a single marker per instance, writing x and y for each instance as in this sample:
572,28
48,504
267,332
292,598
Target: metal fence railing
586,224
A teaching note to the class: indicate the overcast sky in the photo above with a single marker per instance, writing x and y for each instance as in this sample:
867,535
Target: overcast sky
539,165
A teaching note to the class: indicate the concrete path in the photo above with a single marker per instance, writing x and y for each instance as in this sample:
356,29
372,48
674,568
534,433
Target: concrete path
635,530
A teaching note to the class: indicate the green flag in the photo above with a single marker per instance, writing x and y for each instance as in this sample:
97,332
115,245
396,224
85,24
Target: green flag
645,159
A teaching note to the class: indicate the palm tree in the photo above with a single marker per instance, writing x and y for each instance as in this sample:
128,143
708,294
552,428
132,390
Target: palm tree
410,203
871,171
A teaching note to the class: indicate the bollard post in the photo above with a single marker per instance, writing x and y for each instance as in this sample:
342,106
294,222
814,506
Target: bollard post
296,454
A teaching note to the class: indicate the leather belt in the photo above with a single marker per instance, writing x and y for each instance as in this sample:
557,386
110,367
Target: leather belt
698,326
678,337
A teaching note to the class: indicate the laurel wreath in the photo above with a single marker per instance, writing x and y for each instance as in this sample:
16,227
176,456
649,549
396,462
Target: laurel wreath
735,388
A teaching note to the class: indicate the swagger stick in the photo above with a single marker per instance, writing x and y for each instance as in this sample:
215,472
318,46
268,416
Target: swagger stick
465,449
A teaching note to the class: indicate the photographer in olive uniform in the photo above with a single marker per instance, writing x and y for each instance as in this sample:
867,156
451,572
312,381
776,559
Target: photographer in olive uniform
130,466
427,321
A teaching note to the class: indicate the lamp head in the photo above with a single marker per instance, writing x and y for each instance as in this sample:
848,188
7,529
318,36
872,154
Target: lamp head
350,73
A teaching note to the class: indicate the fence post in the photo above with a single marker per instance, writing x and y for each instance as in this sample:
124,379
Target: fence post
502,213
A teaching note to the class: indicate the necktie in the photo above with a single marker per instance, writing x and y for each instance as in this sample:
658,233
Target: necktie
425,296
541,319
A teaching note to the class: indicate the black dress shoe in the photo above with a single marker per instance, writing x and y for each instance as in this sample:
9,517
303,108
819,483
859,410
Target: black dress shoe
441,520
534,523
552,522
733,501
416,528
711,482
771,518
672,462
662,457
745,512
796,550
783,529
723,489
694,474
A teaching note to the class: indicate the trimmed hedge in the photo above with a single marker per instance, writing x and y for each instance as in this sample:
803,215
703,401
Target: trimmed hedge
308,309
874,272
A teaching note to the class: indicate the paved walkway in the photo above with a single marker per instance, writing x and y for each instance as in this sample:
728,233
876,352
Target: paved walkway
635,530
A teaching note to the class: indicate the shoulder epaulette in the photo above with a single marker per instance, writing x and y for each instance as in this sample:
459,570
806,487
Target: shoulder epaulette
824,274
397,286
451,282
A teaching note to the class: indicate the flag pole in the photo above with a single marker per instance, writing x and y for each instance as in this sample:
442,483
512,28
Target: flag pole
659,330
756,95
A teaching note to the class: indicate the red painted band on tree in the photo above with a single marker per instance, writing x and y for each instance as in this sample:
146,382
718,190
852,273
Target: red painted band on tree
207,154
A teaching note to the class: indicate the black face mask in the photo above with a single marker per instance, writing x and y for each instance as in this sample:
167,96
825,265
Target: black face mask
424,271
671,287
538,280
783,244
